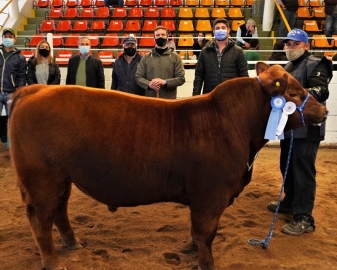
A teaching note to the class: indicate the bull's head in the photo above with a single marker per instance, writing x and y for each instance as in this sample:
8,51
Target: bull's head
276,81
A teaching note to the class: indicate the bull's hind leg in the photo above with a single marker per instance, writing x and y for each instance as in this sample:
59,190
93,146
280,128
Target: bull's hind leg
61,221
204,228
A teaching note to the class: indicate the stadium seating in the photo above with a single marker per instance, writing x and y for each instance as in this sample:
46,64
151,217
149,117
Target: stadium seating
106,57
32,42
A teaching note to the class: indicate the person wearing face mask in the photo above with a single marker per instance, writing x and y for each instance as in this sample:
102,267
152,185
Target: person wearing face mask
199,44
125,67
13,67
161,70
84,69
314,73
245,33
219,61
42,67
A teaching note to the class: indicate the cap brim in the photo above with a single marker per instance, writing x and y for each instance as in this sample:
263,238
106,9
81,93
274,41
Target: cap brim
294,39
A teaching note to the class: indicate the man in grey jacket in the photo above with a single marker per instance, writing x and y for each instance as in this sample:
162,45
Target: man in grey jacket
219,61
161,71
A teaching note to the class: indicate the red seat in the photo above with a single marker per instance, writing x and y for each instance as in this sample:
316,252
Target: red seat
70,13
169,24
57,40
64,26
54,14
36,38
132,26
102,13
94,39
62,57
86,13
145,3
72,40
98,3
119,13
115,26
160,3
80,26
86,3
149,25
110,40
131,3
168,13
176,3
71,3
147,40
106,57
151,12
135,13
47,26
27,54
56,3
41,4
97,26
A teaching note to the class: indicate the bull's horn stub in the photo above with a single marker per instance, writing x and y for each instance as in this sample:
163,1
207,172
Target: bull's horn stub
288,109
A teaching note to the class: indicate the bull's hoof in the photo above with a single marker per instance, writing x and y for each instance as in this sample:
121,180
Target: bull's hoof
171,258
75,246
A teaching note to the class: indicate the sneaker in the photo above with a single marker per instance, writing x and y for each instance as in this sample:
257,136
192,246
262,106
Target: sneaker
282,209
298,227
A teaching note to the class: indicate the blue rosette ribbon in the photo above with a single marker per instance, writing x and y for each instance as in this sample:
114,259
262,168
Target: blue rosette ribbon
277,103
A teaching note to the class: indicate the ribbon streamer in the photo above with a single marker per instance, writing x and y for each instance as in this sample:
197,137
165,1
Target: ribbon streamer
277,103
288,109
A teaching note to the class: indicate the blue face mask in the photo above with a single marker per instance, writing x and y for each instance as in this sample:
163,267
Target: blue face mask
84,49
8,42
221,34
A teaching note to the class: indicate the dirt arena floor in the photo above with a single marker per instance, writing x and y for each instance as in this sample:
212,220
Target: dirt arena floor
157,236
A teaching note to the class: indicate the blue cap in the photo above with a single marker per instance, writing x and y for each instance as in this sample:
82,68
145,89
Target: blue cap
297,35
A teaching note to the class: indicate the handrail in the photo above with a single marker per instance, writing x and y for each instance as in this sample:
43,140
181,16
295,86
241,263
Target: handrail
282,15
9,1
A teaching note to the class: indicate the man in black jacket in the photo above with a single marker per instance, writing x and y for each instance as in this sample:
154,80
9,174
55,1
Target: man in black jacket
84,69
219,60
125,67
289,9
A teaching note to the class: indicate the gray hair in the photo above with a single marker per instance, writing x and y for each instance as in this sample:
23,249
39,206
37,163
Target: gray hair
81,38
251,22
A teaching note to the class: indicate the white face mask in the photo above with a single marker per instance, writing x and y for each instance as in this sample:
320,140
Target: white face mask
200,39
293,54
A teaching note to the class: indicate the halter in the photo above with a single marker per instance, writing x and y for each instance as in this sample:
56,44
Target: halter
302,107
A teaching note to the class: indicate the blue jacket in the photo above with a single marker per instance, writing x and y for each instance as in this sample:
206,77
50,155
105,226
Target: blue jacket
13,71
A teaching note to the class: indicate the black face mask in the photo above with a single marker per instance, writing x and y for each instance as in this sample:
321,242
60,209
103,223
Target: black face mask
161,42
44,52
130,51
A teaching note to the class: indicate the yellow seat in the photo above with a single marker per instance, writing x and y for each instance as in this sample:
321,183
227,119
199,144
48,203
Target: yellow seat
222,3
203,26
235,13
185,40
206,3
239,3
201,13
236,24
186,26
218,13
185,13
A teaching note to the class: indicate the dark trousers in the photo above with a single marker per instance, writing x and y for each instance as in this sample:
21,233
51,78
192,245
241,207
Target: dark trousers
300,184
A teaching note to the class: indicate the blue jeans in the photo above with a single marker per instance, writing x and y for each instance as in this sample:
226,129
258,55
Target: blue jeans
330,24
290,16
4,98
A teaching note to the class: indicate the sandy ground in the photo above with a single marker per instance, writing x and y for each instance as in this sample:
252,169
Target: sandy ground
157,236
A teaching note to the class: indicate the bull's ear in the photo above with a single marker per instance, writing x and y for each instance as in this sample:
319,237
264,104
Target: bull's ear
260,67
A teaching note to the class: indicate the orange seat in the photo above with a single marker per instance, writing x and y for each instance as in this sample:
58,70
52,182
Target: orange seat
47,26
186,26
169,24
218,13
119,13
135,13
321,42
102,13
201,13
41,4
315,3
235,13
132,26
236,24
239,3
54,14
185,13
206,3
168,13
151,12
94,39
106,57
72,40
71,3
70,13
147,40
203,26
86,13
185,40
183,55
145,3
97,26
318,12
160,3
64,26
115,26
36,38
86,3
110,40
62,57
303,13
56,3
249,3
191,3
302,3
222,3
311,26
80,26
27,54
57,40
175,3
149,25
329,55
